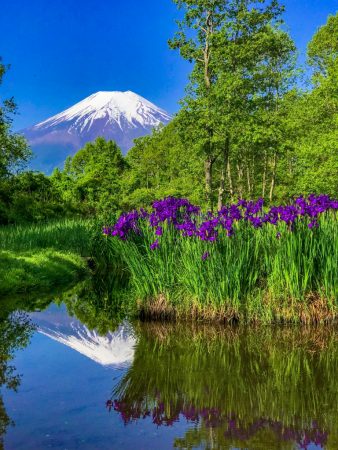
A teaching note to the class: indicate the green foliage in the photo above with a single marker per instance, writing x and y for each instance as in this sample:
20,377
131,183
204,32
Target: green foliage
91,180
243,65
315,118
161,165
15,332
95,302
323,48
14,152
30,197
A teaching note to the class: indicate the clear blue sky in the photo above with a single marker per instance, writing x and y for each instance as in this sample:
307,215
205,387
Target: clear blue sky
61,51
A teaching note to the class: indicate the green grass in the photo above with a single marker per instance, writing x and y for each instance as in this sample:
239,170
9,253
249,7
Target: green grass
252,276
40,257
66,235
30,271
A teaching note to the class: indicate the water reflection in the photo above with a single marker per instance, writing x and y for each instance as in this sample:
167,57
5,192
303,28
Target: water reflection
213,387
15,332
264,388
115,348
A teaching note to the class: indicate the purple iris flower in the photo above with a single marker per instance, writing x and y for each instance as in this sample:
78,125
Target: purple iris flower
154,245
313,224
205,256
188,219
159,231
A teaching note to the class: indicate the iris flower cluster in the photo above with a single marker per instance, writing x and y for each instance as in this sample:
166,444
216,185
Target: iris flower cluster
188,219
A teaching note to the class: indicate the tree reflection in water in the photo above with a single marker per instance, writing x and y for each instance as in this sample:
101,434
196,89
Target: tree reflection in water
264,388
15,332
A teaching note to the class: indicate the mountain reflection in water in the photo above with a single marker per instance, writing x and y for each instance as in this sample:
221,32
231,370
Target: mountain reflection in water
114,348
172,385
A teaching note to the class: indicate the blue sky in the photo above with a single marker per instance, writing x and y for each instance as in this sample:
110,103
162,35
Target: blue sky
61,51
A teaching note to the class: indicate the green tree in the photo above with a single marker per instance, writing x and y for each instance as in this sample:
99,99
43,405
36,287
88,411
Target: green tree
323,48
160,165
29,197
315,117
242,62
15,332
14,151
91,180
196,40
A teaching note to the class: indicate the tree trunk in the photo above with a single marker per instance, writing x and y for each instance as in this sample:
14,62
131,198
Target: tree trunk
231,188
273,176
252,175
206,50
240,179
265,168
206,68
208,182
225,168
221,190
248,180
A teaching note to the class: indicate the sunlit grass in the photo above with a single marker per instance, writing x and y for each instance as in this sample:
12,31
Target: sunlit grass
70,235
38,257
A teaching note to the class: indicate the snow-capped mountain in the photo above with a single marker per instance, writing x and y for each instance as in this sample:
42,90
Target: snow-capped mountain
115,115
114,349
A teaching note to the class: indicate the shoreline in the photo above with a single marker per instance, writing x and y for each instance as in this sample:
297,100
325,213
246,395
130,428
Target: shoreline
312,311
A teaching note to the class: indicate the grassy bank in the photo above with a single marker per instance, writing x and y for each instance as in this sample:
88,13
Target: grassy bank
40,257
244,263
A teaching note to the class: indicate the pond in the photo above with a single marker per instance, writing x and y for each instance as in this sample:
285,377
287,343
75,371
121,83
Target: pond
75,375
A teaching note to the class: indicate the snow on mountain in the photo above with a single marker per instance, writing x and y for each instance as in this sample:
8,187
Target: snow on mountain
114,349
120,116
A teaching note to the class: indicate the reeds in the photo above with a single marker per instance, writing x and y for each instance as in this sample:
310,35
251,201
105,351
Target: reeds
275,272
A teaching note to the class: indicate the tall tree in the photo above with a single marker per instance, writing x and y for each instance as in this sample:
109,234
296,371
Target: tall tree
196,40
240,58
315,116
252,55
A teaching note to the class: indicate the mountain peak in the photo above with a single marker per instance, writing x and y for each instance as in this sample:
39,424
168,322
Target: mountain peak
115,115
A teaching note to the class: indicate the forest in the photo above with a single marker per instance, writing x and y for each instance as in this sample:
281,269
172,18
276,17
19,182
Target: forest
254,122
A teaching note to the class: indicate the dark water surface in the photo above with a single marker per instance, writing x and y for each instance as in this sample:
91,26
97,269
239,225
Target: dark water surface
91,381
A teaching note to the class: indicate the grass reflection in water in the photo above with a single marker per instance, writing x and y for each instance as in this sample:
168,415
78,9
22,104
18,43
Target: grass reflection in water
253,388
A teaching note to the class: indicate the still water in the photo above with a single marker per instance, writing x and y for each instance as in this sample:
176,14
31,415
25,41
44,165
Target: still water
75,376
